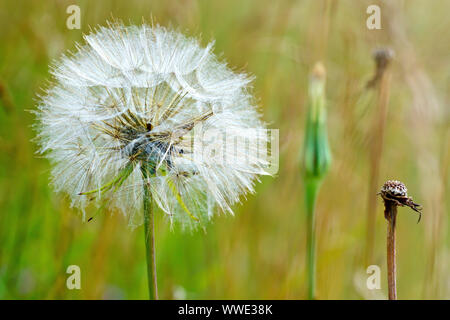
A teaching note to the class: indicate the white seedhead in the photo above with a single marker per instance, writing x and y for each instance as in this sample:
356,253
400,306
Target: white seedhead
145,104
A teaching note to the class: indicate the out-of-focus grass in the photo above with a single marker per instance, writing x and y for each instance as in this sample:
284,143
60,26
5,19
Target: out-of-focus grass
259,253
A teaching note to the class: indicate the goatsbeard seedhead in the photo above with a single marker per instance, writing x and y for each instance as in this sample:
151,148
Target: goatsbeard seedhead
146,97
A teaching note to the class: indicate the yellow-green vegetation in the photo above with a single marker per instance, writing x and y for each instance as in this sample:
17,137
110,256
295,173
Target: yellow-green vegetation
261,252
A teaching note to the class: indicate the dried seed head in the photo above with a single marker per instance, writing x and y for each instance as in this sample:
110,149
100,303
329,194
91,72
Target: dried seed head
395,193
395,188
383,56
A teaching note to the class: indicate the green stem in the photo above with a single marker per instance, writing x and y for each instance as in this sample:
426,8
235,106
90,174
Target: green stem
150,240
312,187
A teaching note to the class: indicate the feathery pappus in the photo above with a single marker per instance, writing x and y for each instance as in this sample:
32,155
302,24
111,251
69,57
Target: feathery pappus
134,106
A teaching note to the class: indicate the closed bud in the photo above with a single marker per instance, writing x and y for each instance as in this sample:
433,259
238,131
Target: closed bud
317,155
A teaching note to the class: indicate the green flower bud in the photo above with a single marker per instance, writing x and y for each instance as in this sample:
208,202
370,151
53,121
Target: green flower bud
317,155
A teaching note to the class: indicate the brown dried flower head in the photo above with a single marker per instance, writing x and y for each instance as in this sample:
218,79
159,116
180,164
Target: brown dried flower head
395,193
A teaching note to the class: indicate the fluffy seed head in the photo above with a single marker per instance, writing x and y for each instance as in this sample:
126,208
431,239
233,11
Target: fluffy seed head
144,98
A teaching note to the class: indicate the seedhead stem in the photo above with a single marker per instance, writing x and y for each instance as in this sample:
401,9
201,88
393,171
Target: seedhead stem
149,233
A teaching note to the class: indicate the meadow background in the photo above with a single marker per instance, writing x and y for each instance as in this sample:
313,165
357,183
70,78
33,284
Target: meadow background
260,252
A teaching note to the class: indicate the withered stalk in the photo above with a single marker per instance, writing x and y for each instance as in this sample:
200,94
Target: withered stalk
390,213
394,194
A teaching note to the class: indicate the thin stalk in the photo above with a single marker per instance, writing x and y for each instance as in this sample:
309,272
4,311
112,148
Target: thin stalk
391,216
149,226
311,191
394,194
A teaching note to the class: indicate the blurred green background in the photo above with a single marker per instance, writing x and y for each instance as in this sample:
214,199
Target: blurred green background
260,252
